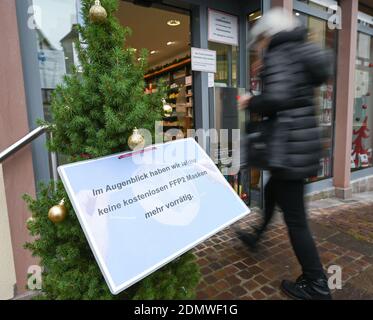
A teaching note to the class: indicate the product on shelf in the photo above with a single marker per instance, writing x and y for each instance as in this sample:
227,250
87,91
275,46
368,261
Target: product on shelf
177,76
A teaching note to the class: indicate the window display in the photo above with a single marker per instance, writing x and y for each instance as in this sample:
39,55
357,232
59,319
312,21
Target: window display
178,105
165,33
362,141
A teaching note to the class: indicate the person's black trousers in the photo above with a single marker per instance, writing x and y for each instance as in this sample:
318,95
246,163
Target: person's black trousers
289,196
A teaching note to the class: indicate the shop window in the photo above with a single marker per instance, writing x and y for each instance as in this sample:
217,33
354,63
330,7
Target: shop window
322,5
320,34
365,16
362,142
56,50
255,60
324,96
168,62
226,64
55,42
255,86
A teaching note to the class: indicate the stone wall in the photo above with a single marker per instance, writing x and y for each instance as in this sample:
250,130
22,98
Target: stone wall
360,185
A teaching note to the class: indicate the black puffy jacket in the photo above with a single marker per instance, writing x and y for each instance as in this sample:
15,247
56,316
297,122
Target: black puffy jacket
292,69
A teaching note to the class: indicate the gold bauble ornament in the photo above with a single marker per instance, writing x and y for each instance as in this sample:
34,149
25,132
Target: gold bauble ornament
28,221
97,13
136,140
31,219
58,213
167,109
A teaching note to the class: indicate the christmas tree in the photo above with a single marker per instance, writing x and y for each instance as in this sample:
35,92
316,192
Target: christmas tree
94,112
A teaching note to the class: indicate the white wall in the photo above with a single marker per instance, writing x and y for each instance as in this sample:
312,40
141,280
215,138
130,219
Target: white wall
7,270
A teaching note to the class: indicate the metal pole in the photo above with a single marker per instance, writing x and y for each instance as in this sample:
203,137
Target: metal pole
54,162
22,142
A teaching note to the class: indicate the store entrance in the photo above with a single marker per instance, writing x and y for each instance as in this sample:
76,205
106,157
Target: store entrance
165,33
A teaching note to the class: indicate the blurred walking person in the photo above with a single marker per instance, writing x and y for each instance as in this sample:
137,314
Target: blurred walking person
292,69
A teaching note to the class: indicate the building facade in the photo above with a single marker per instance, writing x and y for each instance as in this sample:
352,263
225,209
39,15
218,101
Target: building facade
37,50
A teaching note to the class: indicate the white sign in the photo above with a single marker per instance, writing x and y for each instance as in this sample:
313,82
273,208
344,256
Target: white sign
223,27
203,60
141,210
211,80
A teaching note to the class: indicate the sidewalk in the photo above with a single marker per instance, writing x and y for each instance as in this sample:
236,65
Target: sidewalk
343,231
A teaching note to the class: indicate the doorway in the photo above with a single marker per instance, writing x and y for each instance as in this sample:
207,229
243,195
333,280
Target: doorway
165,33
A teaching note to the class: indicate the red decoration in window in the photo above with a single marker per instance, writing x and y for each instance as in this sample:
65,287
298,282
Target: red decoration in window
358,148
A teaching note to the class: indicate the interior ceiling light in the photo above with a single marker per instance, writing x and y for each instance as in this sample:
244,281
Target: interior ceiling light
153,52
173,23
170,43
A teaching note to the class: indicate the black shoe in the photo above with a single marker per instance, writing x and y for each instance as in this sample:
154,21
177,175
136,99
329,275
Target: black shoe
304,289
250,240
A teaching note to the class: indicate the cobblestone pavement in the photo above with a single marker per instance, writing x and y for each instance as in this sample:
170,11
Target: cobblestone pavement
343,231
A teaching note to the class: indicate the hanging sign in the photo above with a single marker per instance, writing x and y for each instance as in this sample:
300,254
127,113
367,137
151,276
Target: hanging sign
223,27
211,80
141,210
203,60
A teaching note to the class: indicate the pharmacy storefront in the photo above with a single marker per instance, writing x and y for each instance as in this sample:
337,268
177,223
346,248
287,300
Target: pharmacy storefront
177,35
201,98
182,38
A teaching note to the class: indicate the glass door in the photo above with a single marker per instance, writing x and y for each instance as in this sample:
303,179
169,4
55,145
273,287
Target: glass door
326,38
256,176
